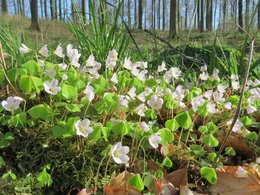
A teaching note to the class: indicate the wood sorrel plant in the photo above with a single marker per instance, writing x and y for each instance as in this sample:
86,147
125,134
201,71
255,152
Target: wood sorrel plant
139,115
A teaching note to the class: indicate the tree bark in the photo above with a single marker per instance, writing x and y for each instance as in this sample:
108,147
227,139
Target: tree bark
34,15
4,7
209,15
129,13
258,15
52,7
224,15
159,15
173,18
240,15
247,14
45,10
140,14
201,15
164,14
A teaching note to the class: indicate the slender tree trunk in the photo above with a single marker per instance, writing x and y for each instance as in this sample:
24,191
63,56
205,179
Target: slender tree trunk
45,9
23,8
201,15
240,15
208,15
52,7
4,7
258,15
152,15
186,14
34,15
159,15
224,15
83,8
173,18
140,14
15,7
164,14
41,3
198,14
247,14
129,13
60,10
19,8
135,14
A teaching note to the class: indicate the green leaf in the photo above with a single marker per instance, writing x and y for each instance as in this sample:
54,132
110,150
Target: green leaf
212,127
197,149
184,120
149,182
210,140
2,163
41,111
150,113
8,136
172,124
4,143
17,120
69,92
166,135
32,67
167,162
212,156
105,133
43,179
73,107
209,174
137,182
120,129
230,151
25,83
96,134
150,82
247,121
252,136
37,83
2,78
62,131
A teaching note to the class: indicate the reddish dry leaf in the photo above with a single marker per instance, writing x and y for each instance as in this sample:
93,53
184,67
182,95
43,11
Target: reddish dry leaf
85,191
231,180
119,185
239,144
178,177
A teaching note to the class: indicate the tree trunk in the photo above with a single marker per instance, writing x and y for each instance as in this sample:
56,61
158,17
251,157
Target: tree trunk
41,2
258,15
173,18
164,14
129,13
83,8
135,14
209,15
140,14
240,15
201,15
15,7
247,15
4,7
60,10
52,6
159,15
224,15
186,14
19,7
45,9
34,15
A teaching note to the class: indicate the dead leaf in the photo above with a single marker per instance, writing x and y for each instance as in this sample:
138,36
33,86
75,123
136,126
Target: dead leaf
85,191
237,180
119,185
178,177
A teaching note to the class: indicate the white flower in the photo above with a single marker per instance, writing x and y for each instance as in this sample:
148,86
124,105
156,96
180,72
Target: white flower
128,64
140,110
175,72
51,72
64,77
159,91
123,101
111,59
52,87
83,128
168,91
63,66
24,49
114,78
132,93
208,94
250,109
167,77
221,88
211,107
237,127
141,97
218,97
141,75
155,102
204,76
58,52
89,91
228,105
203,68
241,172
197,102
179,93
155,139
11,103
235,85
119,153
144,126
73,55
44,51
234,77
41,63
162,67
214,75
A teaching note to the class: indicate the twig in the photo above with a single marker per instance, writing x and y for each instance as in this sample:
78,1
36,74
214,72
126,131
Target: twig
239,103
